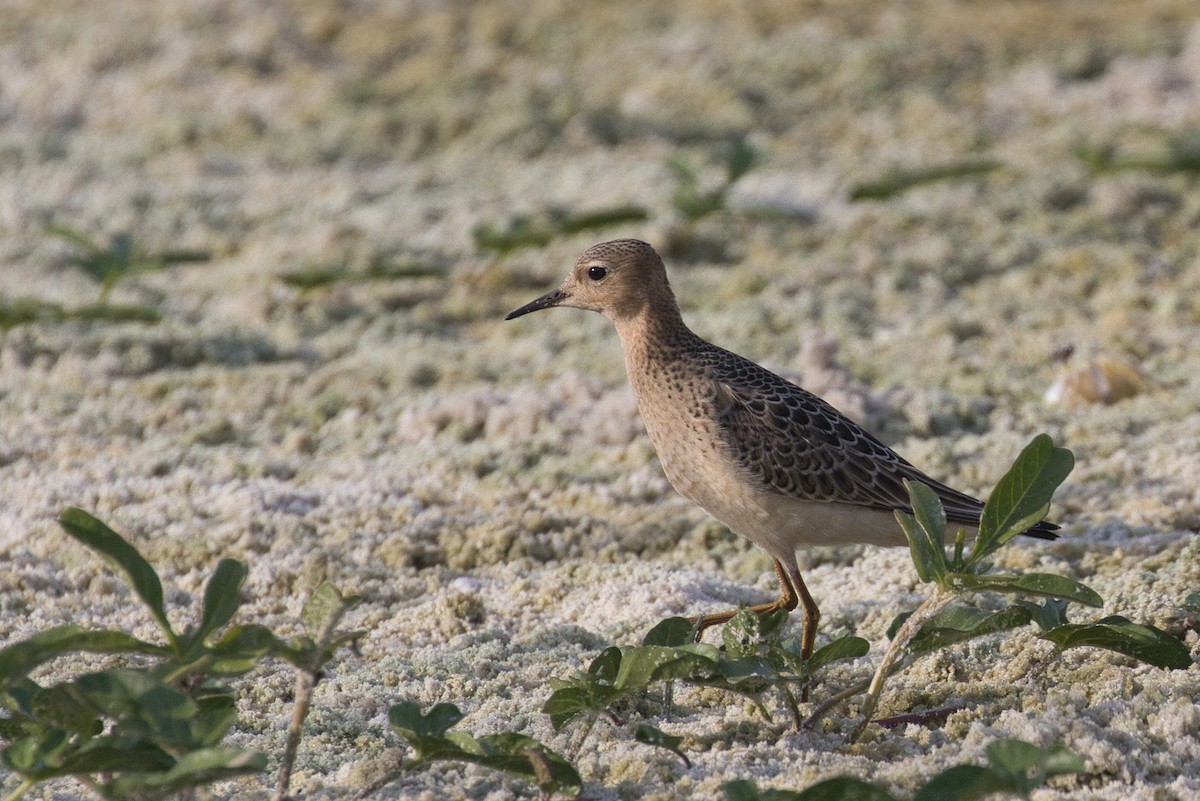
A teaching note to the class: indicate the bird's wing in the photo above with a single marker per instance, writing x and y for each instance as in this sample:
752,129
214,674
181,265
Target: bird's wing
799,446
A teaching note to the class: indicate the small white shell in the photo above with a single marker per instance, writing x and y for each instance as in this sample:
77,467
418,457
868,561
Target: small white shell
466,585
1102,380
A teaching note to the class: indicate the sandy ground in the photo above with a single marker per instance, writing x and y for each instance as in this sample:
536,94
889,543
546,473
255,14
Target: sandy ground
389,432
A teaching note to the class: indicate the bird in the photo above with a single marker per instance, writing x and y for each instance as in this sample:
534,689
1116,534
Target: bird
774,462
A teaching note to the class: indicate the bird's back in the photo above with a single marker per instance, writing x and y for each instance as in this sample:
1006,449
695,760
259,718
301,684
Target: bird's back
794,444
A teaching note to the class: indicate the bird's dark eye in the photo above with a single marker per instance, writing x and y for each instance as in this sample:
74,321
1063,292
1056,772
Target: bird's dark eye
596,272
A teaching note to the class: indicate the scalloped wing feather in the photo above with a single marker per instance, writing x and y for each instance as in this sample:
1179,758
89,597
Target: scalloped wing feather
797,445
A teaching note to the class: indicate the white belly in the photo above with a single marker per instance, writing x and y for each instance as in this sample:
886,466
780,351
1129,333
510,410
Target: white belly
703,473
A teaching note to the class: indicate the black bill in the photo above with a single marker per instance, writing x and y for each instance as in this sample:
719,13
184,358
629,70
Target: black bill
546,301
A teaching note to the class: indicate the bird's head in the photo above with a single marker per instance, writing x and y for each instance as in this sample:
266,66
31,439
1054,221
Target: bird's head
619,279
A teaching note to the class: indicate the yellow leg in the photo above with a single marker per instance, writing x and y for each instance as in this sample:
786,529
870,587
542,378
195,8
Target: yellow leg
787,600
812,614
794,594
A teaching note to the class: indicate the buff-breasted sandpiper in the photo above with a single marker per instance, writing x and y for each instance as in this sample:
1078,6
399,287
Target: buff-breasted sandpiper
773,462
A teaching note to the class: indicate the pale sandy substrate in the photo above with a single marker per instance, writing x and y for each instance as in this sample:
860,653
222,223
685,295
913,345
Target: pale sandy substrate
395,435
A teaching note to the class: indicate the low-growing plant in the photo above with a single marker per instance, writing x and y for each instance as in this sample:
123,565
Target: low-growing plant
309,654
1015,768
752,662
898,181
755,660
27,310
1180,153
691,200
703,206
315,276
108,263
517,754
1021,499
156,725
537,231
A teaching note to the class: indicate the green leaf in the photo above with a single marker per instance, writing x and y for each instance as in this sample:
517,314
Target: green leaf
194,769
324,609
406,718
897,181
770,625
1048,615
740,159
1029,765
1022,496
1047,585
25,310
522,231
567,703
607,665
216,717
962,623
75,237
650,735
118,552
847,647
1192,602
113,313
590,691
845,788
342,638
602,218
1016,768
746,790
1144,643
1014,757
965,783
57,706
839,788
747,633
322,612
748,675
20,658
641,667
683,171
241,647
51,755
523,756
116,755
142,705
122,691
896,623
926,532
510,752
18,697
314,276
222,597
671,631
33,755
1057,761
183,256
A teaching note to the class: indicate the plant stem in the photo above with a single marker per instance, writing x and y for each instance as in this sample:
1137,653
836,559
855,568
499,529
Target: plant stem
22,788
834,700
920,718
789,700
305,681
574,750
935,603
